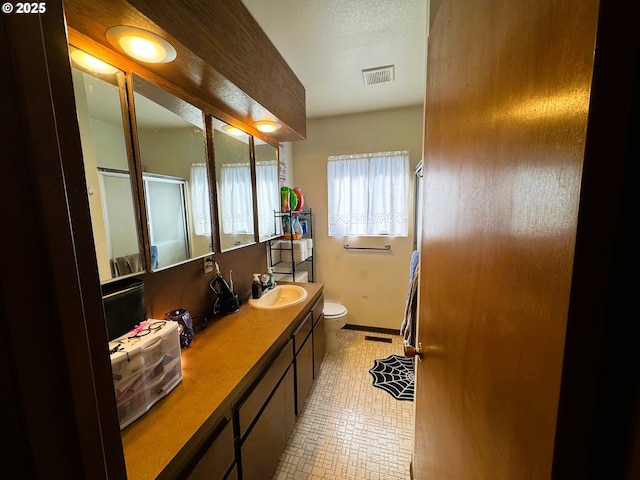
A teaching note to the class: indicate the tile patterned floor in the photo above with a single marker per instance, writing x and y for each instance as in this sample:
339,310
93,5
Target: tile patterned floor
348,428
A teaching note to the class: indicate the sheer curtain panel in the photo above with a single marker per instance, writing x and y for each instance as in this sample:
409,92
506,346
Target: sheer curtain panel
237,198
369,194
268,195
200,199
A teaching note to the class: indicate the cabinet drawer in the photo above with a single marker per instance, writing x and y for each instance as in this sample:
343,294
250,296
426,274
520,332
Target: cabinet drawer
217,459
302,332
260,393
317,310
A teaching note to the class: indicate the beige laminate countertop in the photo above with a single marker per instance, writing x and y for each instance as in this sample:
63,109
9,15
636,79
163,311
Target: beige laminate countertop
216,367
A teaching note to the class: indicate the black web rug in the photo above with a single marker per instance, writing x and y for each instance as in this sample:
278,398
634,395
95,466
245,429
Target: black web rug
394,375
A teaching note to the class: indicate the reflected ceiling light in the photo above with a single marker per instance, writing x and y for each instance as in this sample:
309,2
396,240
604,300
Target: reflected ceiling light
267,126
90,62
141,44
231,130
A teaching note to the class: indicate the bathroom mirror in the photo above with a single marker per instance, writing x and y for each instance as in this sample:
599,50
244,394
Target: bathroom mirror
173,156
232,156
267,189
99,107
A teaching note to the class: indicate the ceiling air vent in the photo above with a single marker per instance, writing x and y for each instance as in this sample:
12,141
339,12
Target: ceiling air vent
373,76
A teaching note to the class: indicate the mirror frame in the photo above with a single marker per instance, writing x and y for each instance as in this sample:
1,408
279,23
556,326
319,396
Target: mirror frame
189,112
254,163
121,83
212,120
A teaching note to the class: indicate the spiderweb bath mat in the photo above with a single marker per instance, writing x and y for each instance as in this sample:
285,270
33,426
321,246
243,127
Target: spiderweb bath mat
394,375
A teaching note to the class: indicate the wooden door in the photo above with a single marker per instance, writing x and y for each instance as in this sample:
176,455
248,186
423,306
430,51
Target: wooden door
508,88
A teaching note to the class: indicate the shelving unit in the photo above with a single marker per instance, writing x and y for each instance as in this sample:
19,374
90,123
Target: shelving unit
290,257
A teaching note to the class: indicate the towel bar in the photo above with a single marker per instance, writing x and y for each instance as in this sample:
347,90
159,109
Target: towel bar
349,247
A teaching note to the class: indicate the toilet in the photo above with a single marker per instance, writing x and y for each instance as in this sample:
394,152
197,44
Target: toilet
335,317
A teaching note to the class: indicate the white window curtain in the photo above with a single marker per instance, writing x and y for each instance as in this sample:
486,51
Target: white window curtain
236,198
268,195
200,205
369,194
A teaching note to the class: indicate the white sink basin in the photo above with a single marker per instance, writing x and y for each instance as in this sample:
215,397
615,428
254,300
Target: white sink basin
279,297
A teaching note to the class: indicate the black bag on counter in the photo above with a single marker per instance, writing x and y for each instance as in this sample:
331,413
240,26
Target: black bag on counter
183,317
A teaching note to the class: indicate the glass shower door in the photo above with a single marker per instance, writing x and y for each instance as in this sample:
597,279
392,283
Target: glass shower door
166,214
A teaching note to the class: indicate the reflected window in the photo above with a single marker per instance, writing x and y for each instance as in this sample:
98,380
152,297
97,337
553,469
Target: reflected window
267,189
234,186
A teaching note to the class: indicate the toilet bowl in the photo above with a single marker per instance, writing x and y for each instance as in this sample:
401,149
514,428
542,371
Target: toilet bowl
335,317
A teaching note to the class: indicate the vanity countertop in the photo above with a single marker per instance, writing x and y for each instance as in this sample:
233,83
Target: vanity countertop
219,364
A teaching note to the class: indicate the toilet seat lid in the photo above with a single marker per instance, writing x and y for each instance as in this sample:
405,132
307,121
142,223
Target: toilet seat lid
333,309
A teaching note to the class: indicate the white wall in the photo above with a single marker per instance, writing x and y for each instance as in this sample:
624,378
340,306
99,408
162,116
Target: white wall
372,285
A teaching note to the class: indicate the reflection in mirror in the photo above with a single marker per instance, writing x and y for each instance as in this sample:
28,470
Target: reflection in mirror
235,192
172,149
267,190
106,164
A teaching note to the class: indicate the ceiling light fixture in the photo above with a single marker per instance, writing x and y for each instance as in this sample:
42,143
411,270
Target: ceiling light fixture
141,44
231,130
89,62
267,126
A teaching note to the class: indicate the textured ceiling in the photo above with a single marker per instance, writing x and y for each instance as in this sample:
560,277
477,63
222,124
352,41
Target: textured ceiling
327,43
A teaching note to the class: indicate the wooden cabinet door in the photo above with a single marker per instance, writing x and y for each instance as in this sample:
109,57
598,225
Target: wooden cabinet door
304,373
318,345
218,458
319,336
303,342
261,449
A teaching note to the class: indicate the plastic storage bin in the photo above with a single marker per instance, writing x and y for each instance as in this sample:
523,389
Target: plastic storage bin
146,366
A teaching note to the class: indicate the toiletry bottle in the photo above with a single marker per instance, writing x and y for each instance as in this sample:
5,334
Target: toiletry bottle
298,193
256,287
285,206
296,228
272,282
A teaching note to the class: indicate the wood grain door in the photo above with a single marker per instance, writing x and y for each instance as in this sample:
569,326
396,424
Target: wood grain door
508,88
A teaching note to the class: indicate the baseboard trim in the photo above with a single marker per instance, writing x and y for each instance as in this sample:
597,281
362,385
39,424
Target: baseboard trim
364,328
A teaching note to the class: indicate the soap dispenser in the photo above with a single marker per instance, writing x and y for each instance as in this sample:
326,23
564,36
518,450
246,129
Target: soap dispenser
256,287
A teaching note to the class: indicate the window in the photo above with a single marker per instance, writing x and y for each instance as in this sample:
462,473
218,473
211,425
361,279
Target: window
369,194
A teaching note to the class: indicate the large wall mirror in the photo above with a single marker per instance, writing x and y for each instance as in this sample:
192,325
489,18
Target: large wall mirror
100,107
172,150
231,151
267,190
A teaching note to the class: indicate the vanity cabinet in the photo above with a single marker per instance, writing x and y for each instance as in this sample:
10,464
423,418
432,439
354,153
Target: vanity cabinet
235,408
266,417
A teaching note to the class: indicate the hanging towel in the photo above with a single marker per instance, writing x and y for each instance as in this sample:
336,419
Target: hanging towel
408,329
128,264
154,257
